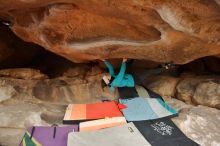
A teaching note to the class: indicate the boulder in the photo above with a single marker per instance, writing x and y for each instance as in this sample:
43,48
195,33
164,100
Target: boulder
199,90
195,90
163,85
201,124
208,93
186,88
160,31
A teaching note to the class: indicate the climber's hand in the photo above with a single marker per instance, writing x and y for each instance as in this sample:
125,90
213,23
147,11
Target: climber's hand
125,59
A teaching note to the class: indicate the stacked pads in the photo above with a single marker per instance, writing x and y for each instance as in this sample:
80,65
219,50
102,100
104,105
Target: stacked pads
105,123
94,116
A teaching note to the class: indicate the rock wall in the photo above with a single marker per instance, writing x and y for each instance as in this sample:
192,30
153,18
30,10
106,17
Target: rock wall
156,30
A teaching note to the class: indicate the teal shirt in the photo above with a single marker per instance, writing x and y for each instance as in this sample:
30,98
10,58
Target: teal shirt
122,79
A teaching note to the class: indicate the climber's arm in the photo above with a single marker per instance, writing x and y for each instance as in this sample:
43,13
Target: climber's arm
110,68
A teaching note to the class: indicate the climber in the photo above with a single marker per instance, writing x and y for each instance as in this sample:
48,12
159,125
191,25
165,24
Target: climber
121,80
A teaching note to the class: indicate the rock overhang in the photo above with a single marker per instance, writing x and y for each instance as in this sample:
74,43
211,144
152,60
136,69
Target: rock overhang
160,31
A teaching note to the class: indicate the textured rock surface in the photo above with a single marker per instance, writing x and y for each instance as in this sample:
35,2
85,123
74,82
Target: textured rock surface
208,93
186,89
164,85
201,124
6,92
161,31
79,86
21,115
195,90
200,90
11,136
23,73
64,90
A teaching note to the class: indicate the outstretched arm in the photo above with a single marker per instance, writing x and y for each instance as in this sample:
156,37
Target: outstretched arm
110,68
122,72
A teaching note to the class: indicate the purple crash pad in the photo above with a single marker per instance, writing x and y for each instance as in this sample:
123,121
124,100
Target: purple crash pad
51,136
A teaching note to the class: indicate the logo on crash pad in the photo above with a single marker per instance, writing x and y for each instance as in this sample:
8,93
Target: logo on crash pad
162,128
